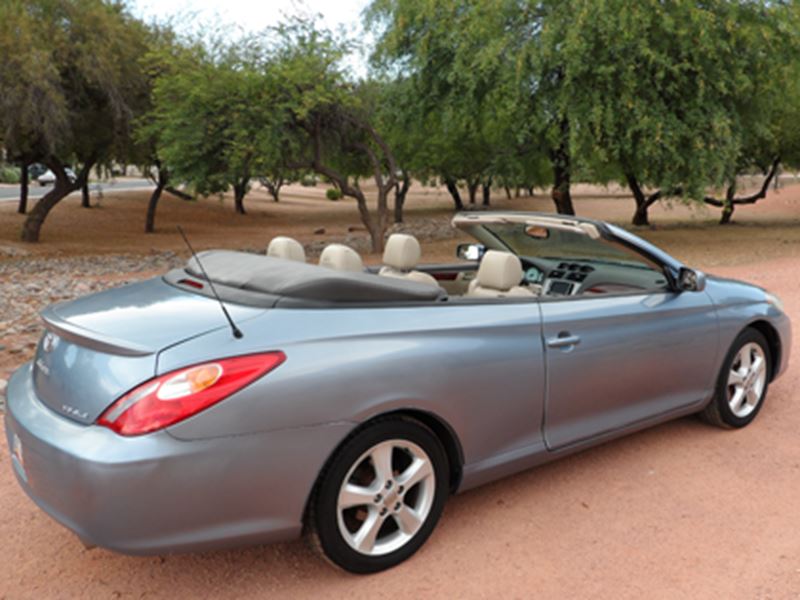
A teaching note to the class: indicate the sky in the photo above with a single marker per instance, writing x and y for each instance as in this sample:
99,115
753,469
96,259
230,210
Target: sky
249,16
252,15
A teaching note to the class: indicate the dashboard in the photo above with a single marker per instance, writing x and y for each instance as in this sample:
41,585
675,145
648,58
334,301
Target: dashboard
557,277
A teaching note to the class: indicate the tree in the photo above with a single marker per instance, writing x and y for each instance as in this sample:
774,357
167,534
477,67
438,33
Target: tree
208,113
660,89
161,59
484,94
768,125
326,121
69,81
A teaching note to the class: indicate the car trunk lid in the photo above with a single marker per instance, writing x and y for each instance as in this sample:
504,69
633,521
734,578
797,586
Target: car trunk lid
98,347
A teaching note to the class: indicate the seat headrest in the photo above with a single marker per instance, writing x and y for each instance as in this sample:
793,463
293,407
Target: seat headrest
499,270
402,252
286,248
341,258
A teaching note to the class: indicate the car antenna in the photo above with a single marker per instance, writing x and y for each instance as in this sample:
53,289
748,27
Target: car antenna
237,333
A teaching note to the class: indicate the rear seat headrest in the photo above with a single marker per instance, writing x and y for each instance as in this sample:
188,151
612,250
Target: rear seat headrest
341,258
286,248
499,270
402,252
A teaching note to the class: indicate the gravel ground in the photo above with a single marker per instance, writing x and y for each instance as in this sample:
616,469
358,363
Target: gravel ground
28,284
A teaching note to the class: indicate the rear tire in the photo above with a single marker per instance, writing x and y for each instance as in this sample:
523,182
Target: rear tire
742,383
380,497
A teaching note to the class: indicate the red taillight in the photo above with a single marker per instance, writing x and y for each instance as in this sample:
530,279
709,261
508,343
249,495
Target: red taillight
173,397
192,283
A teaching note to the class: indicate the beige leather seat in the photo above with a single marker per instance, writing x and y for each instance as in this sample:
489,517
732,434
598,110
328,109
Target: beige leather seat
286,248
401,256
341,258
498,277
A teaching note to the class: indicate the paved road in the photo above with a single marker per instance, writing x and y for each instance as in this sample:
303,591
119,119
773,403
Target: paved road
11,194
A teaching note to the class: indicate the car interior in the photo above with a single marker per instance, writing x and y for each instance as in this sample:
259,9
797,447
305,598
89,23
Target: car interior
514,260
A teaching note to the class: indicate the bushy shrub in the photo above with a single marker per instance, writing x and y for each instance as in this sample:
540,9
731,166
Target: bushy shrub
333,194
308,181
9,174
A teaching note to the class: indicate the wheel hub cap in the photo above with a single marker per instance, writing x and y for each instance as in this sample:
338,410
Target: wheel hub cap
747,380
385,498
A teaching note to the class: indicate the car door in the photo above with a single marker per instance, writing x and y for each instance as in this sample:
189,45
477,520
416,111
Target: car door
615,360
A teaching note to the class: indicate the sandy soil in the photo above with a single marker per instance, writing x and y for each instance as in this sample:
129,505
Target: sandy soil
682,510
115,224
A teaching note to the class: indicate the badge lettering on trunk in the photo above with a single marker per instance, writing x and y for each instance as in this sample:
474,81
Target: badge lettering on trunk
74,412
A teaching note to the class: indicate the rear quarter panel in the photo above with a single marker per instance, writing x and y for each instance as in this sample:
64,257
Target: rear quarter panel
478,368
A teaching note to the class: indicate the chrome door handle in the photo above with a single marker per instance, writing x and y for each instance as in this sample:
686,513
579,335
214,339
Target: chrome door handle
563,340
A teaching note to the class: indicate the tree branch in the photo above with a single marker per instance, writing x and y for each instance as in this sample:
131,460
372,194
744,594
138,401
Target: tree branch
752,198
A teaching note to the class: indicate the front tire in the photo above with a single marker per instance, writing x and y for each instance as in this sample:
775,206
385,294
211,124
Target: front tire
380,497
743,382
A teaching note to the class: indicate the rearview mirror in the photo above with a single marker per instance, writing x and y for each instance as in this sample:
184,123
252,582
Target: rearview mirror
691,280
470,251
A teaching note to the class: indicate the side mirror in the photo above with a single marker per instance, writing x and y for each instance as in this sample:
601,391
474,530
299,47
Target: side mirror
470,251
691,280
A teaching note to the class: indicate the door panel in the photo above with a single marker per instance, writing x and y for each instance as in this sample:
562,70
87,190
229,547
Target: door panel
617,360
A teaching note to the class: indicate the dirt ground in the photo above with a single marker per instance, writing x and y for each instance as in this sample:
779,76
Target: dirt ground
679,511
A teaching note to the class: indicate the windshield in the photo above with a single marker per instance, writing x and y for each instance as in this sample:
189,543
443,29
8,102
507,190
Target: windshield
556,244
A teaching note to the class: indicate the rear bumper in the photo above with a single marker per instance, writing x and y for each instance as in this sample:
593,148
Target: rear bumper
156,494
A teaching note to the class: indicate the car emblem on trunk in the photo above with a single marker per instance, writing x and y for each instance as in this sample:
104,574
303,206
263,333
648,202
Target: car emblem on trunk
49,342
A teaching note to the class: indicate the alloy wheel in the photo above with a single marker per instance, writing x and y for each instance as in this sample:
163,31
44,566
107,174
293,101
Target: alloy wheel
386,497
747,379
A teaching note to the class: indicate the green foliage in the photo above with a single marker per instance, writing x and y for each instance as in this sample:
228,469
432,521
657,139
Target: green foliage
333,194
70,78
452,95
669,92
207,118
9,174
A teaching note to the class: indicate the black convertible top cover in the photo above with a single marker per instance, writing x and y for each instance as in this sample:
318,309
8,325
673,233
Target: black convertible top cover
301,281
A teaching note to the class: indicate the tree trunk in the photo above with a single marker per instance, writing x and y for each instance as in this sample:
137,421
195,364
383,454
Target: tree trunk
150,220
275,190
177,193
453,189
400,191
517,192
561,192
273,186
32,226
562,175
487,192
35,219
729,203
728,207
239,192
508,191
643,202
472,188
85,195
377,230
24,181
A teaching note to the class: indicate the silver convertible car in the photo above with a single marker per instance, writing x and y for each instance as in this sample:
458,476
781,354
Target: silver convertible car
247,399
